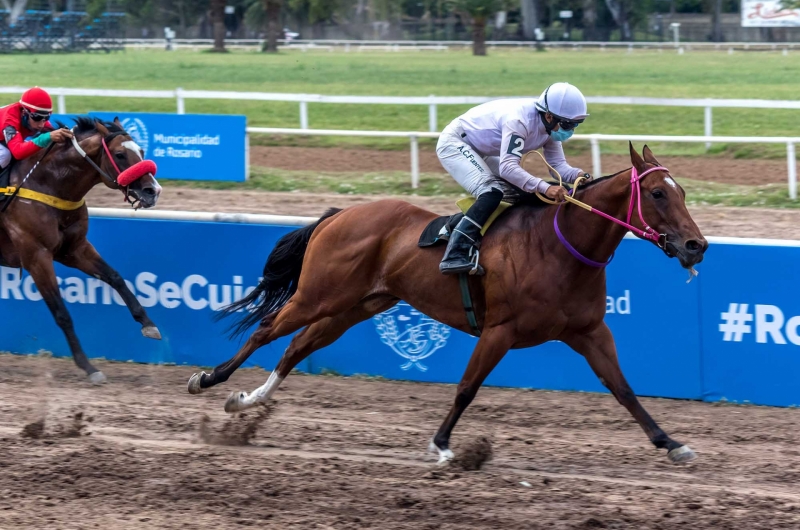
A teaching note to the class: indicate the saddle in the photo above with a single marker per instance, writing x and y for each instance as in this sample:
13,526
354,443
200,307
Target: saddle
440,228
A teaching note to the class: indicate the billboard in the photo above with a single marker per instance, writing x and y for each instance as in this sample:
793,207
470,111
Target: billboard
768,13
189,146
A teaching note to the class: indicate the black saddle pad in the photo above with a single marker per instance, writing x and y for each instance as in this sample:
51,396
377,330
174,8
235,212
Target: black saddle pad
439,230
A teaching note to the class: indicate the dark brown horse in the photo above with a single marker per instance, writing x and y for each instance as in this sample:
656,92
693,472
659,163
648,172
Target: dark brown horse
361,261
34,234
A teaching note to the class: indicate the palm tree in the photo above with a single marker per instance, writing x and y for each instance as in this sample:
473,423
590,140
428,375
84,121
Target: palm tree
478,12
273,10
218,19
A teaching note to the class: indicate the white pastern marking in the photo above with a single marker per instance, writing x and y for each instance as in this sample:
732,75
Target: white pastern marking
266,390
133,146
671,182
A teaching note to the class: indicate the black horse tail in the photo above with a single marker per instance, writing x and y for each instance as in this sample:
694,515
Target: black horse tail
279,283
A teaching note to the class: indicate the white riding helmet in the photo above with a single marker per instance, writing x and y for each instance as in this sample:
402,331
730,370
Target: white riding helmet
564,101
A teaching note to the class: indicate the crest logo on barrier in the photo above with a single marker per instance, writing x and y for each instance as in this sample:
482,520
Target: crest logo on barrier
138,132
412,335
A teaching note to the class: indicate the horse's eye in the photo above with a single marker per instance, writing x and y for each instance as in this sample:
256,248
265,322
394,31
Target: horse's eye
121,156
658,194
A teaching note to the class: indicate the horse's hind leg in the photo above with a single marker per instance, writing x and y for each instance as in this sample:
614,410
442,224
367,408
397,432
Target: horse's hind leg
84,257
40,266
312,338
294,315
599,350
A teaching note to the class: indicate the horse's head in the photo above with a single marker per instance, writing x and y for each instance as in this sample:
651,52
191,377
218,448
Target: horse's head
663,207
120,154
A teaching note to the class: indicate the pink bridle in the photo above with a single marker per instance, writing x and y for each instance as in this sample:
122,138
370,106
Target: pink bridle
636,195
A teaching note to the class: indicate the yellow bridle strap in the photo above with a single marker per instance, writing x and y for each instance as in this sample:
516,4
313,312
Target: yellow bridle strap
43,198
569,198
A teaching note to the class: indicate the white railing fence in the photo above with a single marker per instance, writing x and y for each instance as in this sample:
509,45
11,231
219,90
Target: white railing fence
594,141
348,45
432,102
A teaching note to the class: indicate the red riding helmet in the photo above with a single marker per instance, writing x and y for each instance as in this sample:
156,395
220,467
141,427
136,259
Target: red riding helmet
37,100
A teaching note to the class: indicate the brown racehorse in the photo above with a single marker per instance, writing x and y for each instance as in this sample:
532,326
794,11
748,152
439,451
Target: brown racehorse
33,234
355,263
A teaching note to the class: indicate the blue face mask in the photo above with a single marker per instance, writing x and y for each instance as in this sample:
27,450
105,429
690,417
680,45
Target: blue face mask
561,135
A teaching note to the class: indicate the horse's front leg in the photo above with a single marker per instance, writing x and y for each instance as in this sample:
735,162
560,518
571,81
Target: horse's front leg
39,264
599,350
85,258
492,346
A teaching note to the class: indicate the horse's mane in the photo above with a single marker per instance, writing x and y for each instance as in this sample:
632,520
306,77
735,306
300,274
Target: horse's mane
532,200
88,124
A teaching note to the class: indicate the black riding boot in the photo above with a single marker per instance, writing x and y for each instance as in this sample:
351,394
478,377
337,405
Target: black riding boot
460,256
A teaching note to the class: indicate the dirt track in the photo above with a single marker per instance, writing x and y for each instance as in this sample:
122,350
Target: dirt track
348,453
715,169
718,221
712,220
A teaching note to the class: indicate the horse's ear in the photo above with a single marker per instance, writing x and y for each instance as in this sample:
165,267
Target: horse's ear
101,128
649,157
636,160
117,122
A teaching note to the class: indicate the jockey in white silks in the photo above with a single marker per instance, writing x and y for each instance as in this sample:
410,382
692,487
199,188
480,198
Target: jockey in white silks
482,150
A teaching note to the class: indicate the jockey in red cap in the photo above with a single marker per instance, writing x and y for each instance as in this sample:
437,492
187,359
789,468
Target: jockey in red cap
28,118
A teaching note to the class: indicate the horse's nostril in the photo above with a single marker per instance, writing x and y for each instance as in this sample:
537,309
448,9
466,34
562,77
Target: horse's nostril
149,191
693,245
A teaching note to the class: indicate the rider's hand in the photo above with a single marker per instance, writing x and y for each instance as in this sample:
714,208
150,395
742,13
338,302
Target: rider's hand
586,177
556,193
60,135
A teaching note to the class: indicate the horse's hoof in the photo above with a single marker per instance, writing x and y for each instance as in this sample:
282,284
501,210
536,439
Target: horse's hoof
194,383
151,332
445,455
235,403
681,455
97,378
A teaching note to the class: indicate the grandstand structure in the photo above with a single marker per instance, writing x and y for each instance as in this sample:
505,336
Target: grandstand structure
43,26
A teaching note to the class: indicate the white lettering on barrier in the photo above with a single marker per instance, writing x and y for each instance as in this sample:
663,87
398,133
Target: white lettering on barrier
769,324
195,291
620,306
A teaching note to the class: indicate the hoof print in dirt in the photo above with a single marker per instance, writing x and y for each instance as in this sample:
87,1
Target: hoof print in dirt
75,427
239,429
474,455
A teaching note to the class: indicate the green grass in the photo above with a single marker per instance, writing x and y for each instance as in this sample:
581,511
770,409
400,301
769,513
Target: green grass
502,73
436,184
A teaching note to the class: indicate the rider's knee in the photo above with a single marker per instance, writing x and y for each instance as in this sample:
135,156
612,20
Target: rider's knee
5,156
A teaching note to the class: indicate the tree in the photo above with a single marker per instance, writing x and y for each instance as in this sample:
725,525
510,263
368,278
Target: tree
530,18
621,10
478,12
218,19
15,10
273,11
716,21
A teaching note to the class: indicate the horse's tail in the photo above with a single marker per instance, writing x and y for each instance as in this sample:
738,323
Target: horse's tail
279,283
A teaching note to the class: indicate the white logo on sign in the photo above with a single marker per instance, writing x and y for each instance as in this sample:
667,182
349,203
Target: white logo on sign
138,132
419,337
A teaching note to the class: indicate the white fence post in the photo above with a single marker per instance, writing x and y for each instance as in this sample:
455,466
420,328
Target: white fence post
597,170
791,161
247,156
179,98
304,114
414,162
708,128
433,123
62,104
